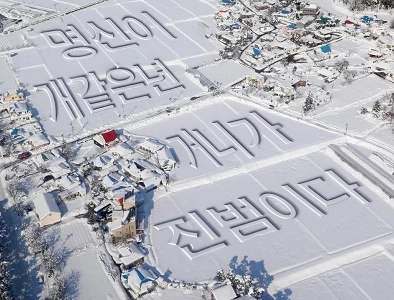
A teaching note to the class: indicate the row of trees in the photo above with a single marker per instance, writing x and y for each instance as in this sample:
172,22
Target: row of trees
50,260
5,277
378,111
242,284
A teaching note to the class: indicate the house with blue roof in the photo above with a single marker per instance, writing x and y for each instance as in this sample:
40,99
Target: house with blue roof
292,26
256,52
366,19
140,280
325,49
228,2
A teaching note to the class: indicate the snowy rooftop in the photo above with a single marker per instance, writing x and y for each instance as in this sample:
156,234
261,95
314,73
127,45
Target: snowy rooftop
45,205
224,292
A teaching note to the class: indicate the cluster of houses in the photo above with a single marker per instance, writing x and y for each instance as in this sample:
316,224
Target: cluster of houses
272,35
286,88
106,178
113,181
276,30
24,132
282,28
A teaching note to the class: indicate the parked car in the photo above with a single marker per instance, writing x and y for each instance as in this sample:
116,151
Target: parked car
24,155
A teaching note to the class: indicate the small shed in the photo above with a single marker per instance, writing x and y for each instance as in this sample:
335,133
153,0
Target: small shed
223,292
47,209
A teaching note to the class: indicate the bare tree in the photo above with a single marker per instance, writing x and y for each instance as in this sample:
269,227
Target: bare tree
376,109
50,262
34,238
243,284
341,65
349,76
5,276
58,289
67,150
15,190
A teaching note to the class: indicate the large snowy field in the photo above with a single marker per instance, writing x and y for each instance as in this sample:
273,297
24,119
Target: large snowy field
94,67
259,191
301,202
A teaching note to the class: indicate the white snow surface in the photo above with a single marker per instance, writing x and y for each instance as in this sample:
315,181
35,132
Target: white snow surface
84,74
76,246
255,189
280,203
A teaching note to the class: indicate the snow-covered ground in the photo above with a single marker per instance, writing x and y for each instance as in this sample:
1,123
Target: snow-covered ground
294,208
255,188
93,67
76,245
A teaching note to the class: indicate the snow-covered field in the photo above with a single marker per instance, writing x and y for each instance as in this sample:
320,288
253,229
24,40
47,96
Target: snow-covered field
294,208
92,68
255,189
227,135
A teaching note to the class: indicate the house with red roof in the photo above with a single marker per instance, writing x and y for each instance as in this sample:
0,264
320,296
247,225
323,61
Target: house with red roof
105,139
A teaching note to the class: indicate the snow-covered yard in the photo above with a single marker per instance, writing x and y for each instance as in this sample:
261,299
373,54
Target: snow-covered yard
76,244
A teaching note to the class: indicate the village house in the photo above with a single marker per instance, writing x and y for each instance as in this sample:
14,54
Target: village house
112,178
19,112
149,147
104,206
105,139
140,281
102,162
310,9
323,34
43,159
38,141
255,81
13,96
304,22
75,192
47,210
68,182
124,223
58,167
166,159
130,256
227,38
124,196
261,5
122,150
153,182
374,53
299,83
329,74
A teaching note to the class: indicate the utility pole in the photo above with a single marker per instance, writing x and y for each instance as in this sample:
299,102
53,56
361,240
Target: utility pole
346,129
392,108
72,127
